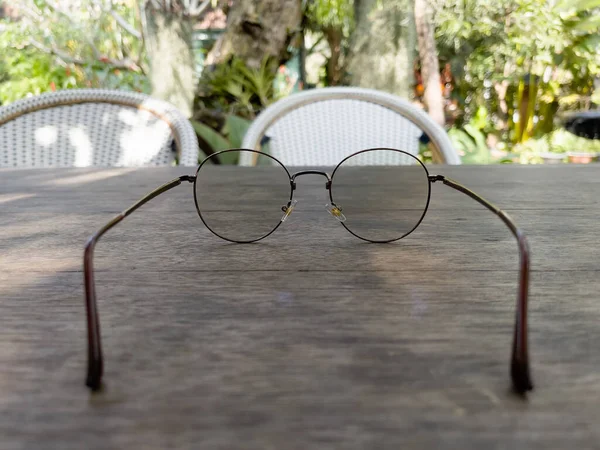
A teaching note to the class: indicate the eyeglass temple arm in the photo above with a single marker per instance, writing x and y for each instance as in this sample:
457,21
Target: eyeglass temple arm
95,359
519,366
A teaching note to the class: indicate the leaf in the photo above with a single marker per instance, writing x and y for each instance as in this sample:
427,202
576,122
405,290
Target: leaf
235,129
563,5
584,5
577,5
471,143
591,43
234,88
569,99
591,24
461,140
216,141
229,158
481,153
481,119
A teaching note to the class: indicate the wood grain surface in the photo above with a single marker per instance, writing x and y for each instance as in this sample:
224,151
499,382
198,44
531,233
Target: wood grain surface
308,339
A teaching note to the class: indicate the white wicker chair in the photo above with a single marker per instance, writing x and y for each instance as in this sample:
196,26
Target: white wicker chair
322,126
94,127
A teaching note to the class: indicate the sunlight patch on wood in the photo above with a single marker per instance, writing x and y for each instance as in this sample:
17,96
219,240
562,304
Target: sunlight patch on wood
6,198
89,177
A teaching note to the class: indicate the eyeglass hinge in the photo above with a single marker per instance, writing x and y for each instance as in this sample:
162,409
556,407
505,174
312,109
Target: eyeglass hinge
434,178
189,178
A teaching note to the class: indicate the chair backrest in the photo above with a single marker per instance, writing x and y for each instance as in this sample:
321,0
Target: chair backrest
94,127
322,126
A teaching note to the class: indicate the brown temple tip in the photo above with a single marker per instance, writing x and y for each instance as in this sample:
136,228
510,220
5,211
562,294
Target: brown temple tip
521,379
94,376
94,383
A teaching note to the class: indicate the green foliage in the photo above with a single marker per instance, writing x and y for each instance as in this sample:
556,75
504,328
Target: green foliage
28,72
239,89
214,139
334,22
563,141
559,141
338,14
470,140
75,44
235,129
425,154
525,60
229,136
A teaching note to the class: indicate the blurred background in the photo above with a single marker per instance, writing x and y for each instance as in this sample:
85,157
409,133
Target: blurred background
506,78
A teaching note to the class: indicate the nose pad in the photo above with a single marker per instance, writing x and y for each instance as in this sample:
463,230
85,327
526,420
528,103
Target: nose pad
335,211
287,209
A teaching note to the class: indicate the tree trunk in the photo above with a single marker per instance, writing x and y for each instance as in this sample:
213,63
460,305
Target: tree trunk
382,46
256,29
168,42
335,69
430,67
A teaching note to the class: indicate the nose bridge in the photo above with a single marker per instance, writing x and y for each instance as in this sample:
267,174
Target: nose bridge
311,172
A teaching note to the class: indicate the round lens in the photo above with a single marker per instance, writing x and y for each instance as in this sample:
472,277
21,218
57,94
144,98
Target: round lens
242,204
382,193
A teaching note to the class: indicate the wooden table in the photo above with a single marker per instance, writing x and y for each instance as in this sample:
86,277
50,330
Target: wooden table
309,339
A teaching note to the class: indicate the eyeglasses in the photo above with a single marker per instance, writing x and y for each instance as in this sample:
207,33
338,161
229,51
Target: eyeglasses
379,195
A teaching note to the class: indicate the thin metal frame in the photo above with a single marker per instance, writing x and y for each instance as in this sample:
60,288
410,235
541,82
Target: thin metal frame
216,156
519,365
384,241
